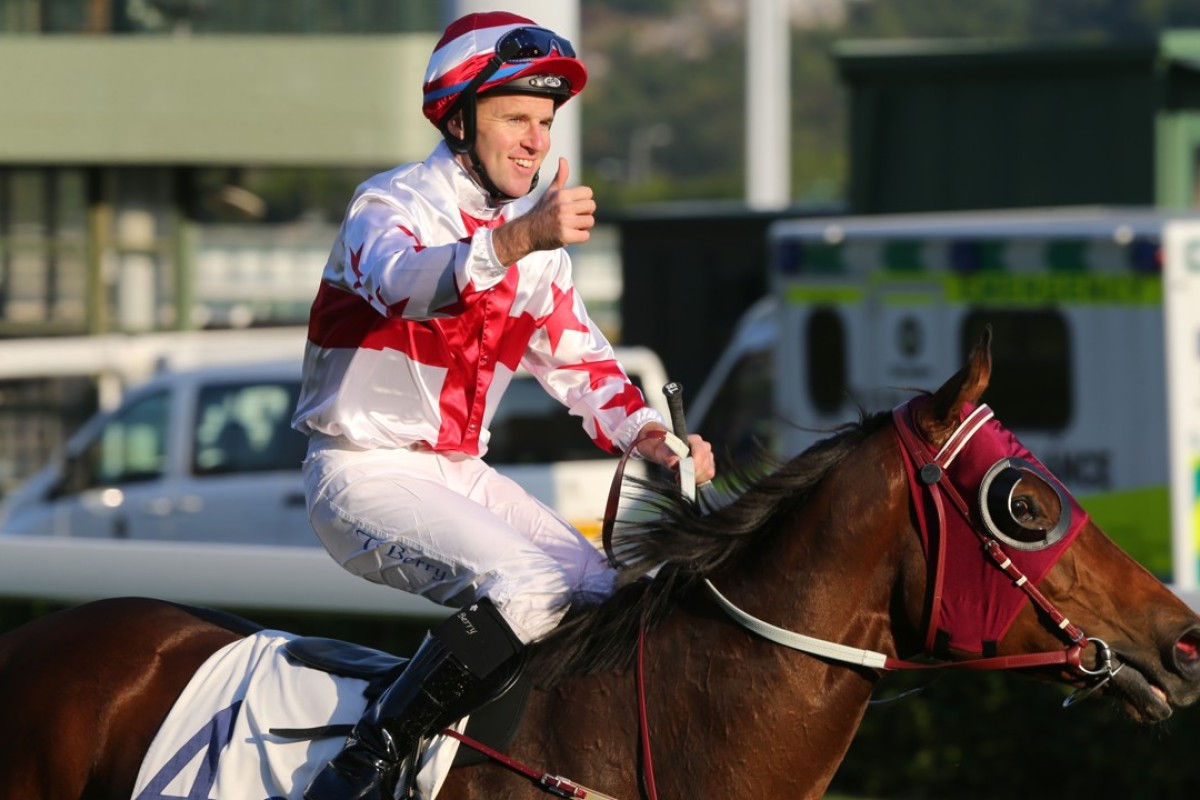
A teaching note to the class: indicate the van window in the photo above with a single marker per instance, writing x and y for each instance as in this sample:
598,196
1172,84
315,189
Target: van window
825,357
1031,381
131,447
245,427
739,421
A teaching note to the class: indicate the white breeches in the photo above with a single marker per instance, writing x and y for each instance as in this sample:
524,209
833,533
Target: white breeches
451,529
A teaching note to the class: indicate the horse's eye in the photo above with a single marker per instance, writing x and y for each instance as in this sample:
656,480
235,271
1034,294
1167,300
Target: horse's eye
1022,506
1029,504
1022,510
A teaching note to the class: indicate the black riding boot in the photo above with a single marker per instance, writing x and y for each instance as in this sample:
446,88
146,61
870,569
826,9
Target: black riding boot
459,666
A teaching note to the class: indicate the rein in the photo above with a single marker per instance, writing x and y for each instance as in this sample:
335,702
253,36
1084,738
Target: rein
876,660
614,493
550,784
1071,657
610,517
926,470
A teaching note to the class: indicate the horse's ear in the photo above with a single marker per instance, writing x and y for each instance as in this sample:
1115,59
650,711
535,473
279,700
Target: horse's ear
938,418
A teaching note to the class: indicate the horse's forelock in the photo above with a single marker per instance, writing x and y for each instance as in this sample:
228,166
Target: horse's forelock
685,544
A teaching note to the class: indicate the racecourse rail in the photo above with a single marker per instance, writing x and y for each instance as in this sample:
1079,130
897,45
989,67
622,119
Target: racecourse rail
230,576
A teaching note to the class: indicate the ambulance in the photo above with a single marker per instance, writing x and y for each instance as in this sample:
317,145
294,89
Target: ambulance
1095,314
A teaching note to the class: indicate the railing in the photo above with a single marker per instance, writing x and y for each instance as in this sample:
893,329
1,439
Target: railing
227,576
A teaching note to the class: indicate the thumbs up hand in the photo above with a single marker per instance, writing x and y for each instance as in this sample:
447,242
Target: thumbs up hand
563,215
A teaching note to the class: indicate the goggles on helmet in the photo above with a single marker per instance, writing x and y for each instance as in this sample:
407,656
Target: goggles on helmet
525,44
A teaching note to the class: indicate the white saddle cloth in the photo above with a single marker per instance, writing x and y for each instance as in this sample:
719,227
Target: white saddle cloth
216,743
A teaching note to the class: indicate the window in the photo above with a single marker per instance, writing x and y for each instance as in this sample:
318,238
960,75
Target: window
1031,381
825,357
131,448
42,250
246,427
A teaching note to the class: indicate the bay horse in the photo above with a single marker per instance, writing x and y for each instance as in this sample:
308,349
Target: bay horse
928,530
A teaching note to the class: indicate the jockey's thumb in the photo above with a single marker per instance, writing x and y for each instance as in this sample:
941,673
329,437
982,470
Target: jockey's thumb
560,177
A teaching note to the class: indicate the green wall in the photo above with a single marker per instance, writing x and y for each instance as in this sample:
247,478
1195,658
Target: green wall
938,126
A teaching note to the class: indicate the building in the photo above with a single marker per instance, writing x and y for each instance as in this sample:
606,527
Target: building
958,125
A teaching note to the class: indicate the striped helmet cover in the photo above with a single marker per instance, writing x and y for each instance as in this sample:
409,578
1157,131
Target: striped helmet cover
465,49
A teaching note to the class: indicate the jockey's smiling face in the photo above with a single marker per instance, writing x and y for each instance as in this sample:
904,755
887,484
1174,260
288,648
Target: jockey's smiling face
512,138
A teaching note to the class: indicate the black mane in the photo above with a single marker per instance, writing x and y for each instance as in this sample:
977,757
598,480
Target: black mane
687,544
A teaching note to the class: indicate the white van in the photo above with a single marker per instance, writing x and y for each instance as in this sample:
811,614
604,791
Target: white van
207,455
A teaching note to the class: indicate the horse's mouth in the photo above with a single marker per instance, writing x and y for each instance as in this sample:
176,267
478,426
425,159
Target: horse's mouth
1143,700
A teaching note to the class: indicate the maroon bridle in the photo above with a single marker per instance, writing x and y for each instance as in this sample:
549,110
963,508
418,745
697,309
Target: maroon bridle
929,479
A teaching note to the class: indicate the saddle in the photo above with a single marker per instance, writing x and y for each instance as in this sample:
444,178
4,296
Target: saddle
494,724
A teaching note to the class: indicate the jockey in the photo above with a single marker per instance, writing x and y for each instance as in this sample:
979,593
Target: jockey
444,278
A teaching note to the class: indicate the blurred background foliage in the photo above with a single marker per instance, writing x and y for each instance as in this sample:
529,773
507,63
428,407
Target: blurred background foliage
663,113
682,65
998,735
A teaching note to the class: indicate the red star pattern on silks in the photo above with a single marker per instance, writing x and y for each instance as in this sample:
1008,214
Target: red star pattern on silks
604,443
355,257
562,318
417,246
518,330
459,336
395,310
602,371
629,399
515,340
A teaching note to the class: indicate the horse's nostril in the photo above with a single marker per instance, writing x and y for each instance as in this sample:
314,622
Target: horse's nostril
1187,651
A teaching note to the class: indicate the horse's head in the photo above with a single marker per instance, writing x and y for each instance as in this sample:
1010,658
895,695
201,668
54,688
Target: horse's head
1016,566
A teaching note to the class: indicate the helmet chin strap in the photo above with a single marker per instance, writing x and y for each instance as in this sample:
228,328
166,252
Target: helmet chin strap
497,195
